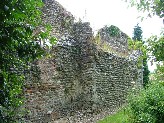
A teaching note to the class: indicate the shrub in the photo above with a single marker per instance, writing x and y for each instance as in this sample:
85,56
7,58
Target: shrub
113,31
148,105
20,45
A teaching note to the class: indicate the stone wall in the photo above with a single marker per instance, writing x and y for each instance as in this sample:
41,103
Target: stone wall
112,79
118,42
79,76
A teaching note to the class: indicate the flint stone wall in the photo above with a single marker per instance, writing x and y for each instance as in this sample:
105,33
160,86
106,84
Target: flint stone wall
78,76
119,42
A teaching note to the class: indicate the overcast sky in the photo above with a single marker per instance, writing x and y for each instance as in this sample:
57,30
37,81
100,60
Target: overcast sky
112,12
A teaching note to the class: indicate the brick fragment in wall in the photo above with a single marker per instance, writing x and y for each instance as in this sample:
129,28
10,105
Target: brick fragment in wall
79,75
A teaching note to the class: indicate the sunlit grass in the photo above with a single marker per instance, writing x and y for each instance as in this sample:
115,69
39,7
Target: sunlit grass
119,117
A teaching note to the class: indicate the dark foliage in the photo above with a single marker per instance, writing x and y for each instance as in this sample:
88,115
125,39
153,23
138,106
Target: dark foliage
138,37
18,48
137,34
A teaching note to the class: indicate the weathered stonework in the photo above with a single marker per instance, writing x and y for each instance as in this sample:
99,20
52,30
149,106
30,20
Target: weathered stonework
79,76
119,42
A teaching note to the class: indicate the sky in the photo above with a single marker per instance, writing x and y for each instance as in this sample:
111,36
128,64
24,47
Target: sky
112,12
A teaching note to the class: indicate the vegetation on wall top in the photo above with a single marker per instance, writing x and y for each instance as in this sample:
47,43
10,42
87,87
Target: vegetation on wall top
113,31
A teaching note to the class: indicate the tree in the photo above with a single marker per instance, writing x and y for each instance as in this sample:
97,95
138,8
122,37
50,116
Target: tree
156,47
113,31
146,72
137,36
19,19
146,106
153,7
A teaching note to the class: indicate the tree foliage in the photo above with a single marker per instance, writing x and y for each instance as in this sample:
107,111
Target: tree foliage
153,7
19,46
137,39
159,72
156,47
113,31
145,72
137,34
147,106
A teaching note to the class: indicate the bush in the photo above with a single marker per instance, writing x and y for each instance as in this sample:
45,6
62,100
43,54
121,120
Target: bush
113,31
148,105
20,39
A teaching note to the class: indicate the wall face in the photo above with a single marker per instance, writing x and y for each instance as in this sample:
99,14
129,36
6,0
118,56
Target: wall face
118,43
78,76
112,80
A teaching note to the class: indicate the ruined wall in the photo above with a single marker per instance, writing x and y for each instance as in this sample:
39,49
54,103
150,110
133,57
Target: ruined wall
79,76
114,37
112,79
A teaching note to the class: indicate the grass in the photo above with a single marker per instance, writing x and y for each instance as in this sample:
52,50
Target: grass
119,117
